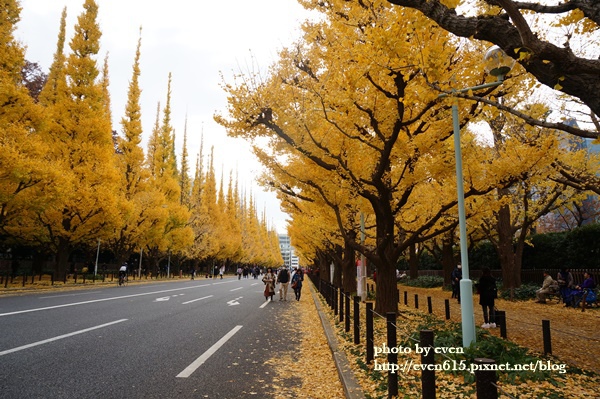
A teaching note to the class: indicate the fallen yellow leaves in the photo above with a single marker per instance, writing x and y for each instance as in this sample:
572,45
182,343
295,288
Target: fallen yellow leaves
574,336
310,372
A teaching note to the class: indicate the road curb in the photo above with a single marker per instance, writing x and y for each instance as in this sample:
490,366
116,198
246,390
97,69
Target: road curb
352,389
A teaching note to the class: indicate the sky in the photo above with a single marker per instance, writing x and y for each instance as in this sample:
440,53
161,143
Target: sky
198,42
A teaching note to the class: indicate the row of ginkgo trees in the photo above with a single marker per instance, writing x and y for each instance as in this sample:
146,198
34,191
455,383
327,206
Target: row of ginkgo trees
361,150
68,180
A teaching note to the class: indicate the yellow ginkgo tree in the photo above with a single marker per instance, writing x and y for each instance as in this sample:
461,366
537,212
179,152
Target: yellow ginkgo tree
82,199
356,99
23,168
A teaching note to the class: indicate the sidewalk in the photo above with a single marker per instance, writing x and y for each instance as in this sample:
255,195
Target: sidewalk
352,389
315,367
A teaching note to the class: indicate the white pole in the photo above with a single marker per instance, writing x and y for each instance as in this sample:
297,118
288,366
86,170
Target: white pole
169,265
465,284
97,255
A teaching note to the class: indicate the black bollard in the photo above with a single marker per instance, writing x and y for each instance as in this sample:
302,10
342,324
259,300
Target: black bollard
501,321
347,310
341,305
370,333
334,300
392,358
485,379
427,376
356,320
547,339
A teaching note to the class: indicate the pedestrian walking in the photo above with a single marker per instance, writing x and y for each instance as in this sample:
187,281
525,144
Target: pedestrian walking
297,279
283,277
269,280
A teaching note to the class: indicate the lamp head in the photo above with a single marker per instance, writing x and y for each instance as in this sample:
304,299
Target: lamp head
497,63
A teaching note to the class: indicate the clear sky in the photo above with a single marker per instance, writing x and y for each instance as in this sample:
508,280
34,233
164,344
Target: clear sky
196,41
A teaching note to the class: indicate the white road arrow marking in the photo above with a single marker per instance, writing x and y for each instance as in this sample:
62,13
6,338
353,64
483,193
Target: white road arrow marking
164,298
234,302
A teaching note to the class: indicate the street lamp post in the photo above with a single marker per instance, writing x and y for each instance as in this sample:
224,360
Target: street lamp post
497,64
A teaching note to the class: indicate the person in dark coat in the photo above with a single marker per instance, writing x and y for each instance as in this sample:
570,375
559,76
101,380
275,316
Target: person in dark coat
487,296
565,283
297,279
456,276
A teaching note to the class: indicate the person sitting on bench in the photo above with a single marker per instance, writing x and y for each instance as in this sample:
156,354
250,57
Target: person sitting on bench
549,287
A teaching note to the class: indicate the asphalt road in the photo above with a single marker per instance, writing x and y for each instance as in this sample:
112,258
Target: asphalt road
186,339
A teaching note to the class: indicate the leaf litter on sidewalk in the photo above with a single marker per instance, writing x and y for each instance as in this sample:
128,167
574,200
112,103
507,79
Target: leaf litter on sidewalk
580,379
307,372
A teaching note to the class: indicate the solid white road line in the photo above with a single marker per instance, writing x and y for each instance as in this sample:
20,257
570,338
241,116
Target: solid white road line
98,300
264,304
20,348
204,357
78,294
225,282
194,300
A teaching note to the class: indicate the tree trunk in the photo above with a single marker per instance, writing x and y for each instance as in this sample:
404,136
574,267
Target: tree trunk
323,266
386,287
511,277
337,267
448,261
413,261
62,257
349,269
386,258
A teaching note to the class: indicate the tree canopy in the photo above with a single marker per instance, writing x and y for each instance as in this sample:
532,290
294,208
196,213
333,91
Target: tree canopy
68,181
354,123
528,32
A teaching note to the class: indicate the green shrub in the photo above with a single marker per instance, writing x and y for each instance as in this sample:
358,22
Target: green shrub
425,282
449,335
523,293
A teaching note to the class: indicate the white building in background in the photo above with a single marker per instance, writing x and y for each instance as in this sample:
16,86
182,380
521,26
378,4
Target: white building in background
287,252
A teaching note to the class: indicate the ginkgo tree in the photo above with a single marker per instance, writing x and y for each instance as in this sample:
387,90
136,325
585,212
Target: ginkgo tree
23,167
81,202
132,196
355,99
69,181
329,211
171,232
